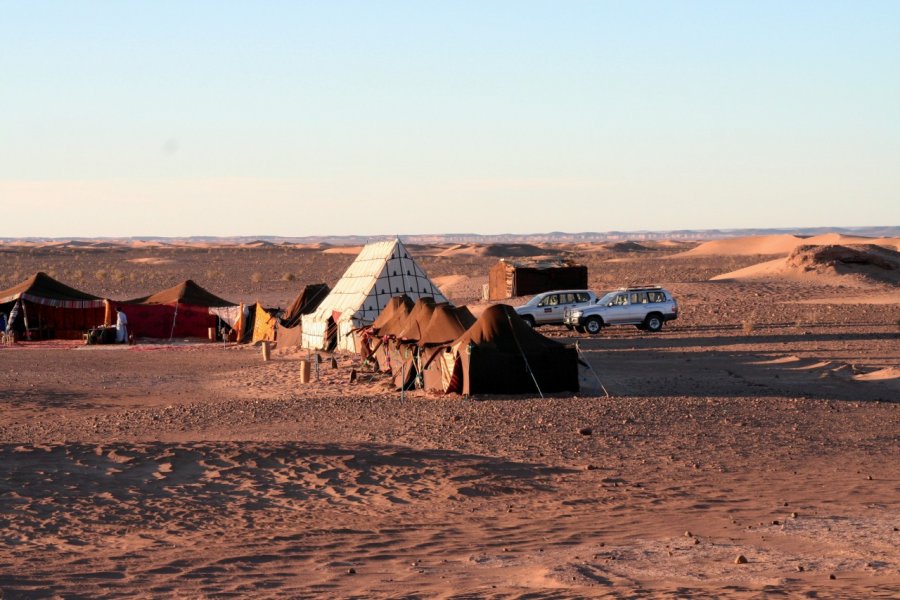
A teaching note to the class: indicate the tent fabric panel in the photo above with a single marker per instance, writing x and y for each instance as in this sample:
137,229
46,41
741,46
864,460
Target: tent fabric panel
76,304
263,325
56,322
288,337
42,286
228,314
156,320
487,371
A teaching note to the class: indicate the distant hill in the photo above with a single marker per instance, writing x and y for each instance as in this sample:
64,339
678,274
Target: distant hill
558,237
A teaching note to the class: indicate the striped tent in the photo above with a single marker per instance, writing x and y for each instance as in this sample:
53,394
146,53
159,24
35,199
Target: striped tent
49,309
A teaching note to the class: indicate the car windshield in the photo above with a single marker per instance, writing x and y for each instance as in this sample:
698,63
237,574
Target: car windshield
607,298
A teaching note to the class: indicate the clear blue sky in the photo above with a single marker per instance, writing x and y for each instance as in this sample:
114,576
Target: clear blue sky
303,118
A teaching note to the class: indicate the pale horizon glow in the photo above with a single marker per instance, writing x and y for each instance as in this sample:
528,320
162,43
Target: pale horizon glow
292,119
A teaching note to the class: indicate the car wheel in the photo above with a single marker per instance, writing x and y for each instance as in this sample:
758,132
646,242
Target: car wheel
593,325
579,329
529,320
653,323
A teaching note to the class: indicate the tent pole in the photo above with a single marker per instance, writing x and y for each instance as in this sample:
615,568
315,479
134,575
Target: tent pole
525,358
597,377
174,318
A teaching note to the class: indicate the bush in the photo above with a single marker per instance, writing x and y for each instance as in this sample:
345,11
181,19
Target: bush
288,277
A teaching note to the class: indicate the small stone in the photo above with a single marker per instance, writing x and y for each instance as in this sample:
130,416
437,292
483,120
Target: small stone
696,541
740,560
832,576
776,522
869,477
688,534
799,568
794,515
586,431
590,467
351,571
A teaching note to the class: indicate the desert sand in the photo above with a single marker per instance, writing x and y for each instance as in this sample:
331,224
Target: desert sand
762,424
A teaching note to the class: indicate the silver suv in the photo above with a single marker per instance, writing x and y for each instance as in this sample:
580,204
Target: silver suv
548,308
646,307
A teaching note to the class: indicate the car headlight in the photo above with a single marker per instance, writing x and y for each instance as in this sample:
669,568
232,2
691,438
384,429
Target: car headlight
576,314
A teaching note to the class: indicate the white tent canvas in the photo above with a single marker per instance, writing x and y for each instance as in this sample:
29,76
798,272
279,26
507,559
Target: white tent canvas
381,271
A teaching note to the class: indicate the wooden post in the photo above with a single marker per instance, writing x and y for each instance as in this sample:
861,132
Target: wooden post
212,334
304,371
265,351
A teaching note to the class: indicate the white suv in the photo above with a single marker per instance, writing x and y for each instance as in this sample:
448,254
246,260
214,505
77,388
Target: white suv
646,307
548,308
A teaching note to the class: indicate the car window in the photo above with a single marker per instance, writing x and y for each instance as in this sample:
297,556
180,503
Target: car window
606,299
553,299
570,298
656,296
582,297
621,300
544,301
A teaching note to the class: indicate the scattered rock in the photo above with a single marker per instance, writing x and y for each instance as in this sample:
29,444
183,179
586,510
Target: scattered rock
586,431
351,571
794,515
740,560
688,534
832,576
776,522
799,568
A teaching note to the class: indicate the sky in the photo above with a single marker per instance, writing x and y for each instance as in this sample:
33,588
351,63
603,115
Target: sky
294,118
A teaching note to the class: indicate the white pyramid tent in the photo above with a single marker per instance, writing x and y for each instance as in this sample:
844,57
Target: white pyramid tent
381,271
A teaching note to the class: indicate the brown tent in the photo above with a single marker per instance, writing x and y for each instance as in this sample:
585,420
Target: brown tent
447,324
50,309
389,329
186,292
501,354
288,331
404,356
393,318
508,279
184,310
308,301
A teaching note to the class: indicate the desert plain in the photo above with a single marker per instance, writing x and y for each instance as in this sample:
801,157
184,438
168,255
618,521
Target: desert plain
750,449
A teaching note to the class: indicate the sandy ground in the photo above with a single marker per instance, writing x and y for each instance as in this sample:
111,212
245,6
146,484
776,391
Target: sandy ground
763,423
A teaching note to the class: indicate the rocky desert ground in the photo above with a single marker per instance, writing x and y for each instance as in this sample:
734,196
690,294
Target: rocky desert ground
750,449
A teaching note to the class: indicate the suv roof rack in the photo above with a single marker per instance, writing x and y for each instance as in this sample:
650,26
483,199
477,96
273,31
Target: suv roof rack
641,287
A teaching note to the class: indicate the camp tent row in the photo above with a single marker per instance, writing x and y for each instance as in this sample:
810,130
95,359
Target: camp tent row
387,309
381,271
445,349
43,308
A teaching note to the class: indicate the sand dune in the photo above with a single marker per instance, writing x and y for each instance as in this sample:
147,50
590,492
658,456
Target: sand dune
831,264
745,246
779,244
